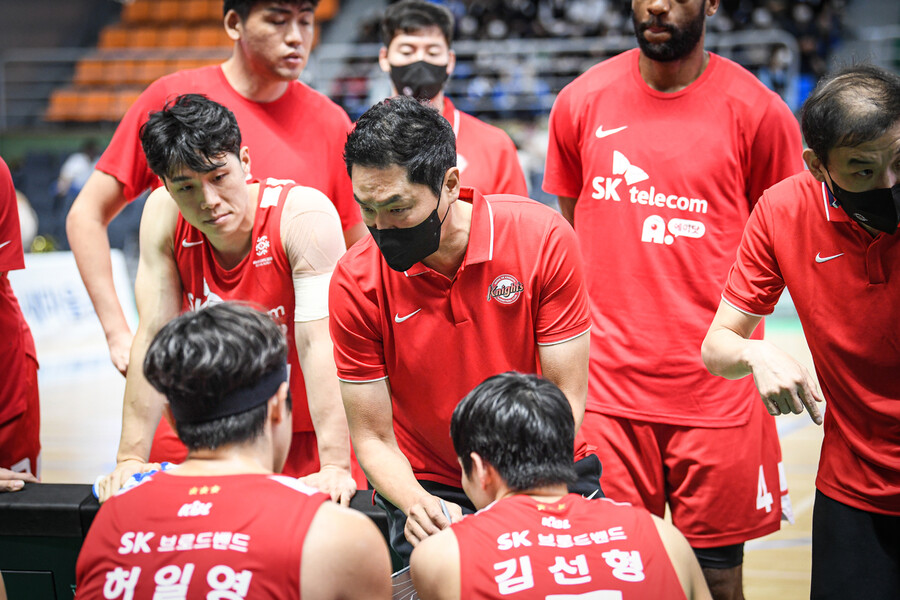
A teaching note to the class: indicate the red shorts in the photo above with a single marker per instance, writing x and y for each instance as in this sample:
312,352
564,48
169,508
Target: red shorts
724,485
302,459
20,437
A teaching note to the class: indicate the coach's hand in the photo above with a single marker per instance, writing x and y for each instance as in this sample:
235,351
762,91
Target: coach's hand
334,481
10,481
783,383
112,483
120,350
426,517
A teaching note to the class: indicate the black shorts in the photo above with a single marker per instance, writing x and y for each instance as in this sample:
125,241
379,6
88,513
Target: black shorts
855,554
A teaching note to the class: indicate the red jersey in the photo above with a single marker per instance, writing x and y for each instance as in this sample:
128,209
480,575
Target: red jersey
199,538
518,547
18,345
300,136
664,185
486,156
435,338
262,278
845,287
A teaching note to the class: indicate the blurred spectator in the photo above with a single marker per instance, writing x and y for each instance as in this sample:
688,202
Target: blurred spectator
76,169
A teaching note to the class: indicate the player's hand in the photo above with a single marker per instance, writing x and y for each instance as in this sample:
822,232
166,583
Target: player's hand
10,481
426,517
784,384
334,481
120,350
112,483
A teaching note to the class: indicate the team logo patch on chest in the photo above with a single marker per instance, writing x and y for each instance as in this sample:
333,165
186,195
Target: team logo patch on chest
262,250
505,289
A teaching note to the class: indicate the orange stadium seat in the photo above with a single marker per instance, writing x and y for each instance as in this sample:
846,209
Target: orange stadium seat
151,69
122,102
94,105
210,36
89,71
143,37
63,105
167,11
175,37
137,12
113,37
194,11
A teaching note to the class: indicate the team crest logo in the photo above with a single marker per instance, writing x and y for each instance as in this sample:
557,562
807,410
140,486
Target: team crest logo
262,245
505,289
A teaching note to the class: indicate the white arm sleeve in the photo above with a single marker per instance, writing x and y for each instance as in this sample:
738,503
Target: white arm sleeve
311,297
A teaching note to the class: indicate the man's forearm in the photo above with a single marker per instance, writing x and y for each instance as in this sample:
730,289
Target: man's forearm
389,472
324,395
141,411
88,237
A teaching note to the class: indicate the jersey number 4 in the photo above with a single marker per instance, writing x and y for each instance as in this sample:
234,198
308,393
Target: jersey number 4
763,495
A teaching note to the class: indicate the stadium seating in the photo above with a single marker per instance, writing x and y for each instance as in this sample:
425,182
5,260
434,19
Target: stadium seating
152,38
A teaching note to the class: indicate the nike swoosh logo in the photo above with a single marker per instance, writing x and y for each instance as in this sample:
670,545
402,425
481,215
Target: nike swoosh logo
821,259
399,319
5,243
602,134
188,244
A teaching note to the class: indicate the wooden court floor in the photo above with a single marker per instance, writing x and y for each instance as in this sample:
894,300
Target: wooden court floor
81,418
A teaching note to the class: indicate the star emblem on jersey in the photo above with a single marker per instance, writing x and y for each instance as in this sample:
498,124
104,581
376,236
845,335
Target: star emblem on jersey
602,134
399,319
822,259
505,289
633,174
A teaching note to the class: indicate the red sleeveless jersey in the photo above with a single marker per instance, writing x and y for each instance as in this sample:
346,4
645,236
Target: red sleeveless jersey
199,538
262,278
518,547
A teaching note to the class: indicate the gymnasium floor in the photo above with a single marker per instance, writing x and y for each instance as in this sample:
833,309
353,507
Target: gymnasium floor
81,417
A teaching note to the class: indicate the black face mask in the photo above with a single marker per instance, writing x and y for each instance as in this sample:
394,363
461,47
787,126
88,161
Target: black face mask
421,80
402,248
878,208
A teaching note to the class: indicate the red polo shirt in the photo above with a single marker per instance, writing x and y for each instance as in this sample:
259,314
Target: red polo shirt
435,338
845,285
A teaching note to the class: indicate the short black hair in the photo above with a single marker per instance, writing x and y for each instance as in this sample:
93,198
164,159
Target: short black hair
243,7
522,425
190,131
852,106
403,131
200,356
411,16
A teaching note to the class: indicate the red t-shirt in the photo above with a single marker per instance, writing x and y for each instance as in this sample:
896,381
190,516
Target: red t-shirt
300,136
486,156
664,185
518,547
520,285
262,278
18,345
199,538
846,289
